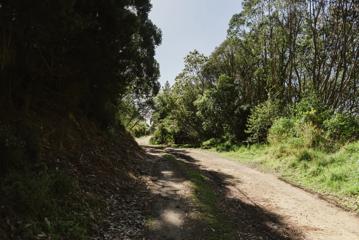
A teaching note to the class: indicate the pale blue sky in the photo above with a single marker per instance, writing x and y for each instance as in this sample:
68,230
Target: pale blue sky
187,25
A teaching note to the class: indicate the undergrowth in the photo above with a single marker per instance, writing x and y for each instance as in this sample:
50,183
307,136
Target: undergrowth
39,199
46,204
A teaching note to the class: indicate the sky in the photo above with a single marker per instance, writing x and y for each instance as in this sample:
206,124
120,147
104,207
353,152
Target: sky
187,25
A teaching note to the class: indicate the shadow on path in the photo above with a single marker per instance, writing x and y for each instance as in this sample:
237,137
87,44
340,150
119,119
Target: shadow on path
189,202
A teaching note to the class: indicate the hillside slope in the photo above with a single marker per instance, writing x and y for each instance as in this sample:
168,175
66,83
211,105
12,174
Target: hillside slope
61,177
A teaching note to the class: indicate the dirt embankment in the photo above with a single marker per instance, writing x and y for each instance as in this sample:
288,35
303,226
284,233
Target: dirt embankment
61,177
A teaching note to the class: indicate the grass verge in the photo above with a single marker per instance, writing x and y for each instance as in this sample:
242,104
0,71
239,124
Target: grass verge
335,175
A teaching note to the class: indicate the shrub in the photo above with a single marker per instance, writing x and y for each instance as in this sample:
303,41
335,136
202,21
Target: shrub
296,133
310,135
141,129
342,127
210,143
310,109
281,130
162,135
353,148
226,146
261,119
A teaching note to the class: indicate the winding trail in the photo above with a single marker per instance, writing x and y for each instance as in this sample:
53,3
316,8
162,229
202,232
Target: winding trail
270,207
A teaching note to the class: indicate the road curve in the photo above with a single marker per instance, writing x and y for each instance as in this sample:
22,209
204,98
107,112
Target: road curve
316,218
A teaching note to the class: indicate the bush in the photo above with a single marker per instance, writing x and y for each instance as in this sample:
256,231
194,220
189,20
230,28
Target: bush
312,125
342,127
213,142
162,135
310,109
295,133
141,129
310,135
261,119
46,201
281,130
226,146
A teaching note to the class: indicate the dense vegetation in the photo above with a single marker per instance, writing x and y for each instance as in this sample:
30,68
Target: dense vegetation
287,75
66,71
84,54
276,54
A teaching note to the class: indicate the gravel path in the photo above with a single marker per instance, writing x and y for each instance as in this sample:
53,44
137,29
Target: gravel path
178,213
314,217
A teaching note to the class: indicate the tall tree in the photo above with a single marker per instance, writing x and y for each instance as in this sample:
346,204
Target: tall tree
82,54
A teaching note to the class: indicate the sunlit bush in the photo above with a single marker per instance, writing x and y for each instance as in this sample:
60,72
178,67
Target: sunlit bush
162,135
261,119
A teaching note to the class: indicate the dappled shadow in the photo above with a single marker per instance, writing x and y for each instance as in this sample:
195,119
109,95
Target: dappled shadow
174,215
155,150
170,208
181,153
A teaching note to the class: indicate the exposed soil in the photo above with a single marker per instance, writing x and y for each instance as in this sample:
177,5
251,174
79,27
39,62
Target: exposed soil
176,214
313,216
253,204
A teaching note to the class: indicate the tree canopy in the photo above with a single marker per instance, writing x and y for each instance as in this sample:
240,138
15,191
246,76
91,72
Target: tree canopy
276,54
82,54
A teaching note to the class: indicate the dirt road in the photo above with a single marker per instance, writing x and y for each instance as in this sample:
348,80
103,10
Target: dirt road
249,203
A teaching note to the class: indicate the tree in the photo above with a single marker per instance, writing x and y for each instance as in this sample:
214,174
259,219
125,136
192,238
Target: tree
82,54
275,55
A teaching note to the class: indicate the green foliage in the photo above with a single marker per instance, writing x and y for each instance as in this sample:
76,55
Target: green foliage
132,113
162,135
175,108
281,130
48,203
309,109
296,133
226,146
312,125
342,127
261,119
270,62
310,135
140,129
305,156
210,143
46,200
82,55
